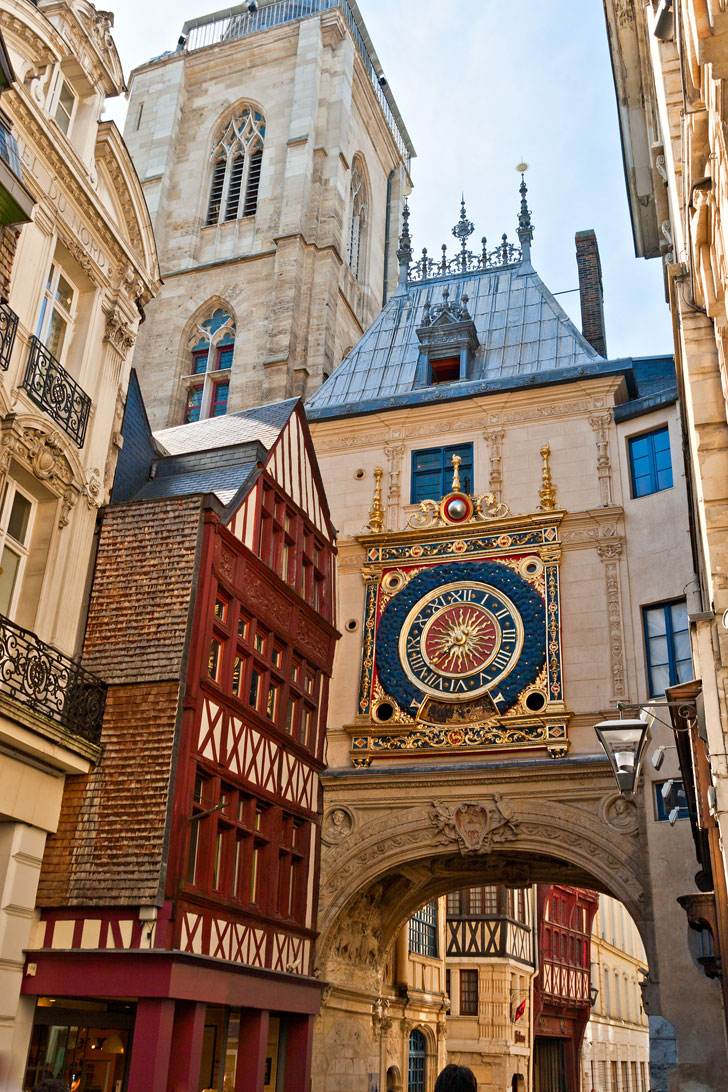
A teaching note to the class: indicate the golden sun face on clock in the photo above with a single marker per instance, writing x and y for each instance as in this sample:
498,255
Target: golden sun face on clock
460,640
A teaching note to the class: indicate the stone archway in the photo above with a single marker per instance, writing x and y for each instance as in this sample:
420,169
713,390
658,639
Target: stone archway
404,836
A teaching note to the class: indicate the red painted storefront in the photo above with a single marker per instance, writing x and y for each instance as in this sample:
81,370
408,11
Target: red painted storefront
206,797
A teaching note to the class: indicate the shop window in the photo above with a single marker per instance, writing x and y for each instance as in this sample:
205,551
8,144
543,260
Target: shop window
236,165
423,930
432,472
667,645
417,1069
207,382
468,993
83,1046
57,311
649,462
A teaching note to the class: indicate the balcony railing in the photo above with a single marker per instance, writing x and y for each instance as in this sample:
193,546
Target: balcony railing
8,326
237,23
41,678
52,388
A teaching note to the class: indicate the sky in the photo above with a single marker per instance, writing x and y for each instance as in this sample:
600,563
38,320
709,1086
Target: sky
482,85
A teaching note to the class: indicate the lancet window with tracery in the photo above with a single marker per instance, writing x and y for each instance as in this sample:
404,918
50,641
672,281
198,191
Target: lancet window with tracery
237,160
211,348
357,220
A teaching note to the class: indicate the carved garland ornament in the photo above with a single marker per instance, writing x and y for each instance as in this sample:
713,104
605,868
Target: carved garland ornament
43,453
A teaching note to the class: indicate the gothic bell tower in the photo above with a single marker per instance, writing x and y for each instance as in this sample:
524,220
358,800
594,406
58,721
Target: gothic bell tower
274,162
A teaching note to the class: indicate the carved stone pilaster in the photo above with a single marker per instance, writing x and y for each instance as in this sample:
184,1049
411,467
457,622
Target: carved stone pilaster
394,453
601,422
610,552
494,439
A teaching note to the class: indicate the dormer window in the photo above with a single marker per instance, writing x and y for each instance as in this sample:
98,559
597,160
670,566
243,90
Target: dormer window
446,370
65,105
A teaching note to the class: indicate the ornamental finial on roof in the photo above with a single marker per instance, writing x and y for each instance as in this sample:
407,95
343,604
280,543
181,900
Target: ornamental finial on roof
464,227
404,251
525,227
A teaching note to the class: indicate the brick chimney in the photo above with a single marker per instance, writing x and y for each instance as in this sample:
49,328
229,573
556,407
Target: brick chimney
590,290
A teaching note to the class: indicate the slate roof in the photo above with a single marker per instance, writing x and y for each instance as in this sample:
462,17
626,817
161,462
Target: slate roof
262,423
522,330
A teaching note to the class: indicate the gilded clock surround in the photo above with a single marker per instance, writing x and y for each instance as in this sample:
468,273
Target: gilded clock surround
436,672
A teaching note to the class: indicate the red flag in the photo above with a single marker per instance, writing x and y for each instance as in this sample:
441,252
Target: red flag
520,1010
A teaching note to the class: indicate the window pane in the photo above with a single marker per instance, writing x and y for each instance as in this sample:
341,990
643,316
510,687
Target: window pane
218,181
659,680
199,362
656,623
10,563
225,357
658,651
251,193
679,616
56,333
194,404
220,399
19,517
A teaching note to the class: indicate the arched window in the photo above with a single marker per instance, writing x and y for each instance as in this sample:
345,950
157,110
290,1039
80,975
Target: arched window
417,1062
357,219
606,1000
207,383
236,166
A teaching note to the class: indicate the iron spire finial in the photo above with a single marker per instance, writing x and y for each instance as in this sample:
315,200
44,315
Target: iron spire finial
525,227
404,251
464,228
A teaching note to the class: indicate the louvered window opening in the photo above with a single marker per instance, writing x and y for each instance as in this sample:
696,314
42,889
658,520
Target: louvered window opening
237,161
357,220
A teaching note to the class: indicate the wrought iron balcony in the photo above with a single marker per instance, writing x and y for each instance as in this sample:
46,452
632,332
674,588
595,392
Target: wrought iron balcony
8,326
41,678
52,388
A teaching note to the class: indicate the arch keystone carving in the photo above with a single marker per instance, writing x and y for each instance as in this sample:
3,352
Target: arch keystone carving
476,827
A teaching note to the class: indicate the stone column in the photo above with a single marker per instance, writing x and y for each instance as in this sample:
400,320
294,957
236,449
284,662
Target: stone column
601,423
495,478
394,453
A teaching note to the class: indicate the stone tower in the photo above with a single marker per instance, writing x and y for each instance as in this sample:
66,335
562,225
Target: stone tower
275,163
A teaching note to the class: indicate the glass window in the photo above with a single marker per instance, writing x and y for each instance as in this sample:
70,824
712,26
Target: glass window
193,406
220,398
224,357
357,219
423,930
432,471
64,107
56,312
446,370
678,799
649,462
667,643
468,993
417,1062
16,520
215,659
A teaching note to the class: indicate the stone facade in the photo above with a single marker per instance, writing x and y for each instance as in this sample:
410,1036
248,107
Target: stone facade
544,439
82,270
670,62
282,266
617,1036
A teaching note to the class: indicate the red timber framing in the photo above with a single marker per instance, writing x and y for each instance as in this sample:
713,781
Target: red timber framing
226,955
562,988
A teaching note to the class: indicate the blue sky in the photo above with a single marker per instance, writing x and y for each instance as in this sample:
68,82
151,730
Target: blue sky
481,85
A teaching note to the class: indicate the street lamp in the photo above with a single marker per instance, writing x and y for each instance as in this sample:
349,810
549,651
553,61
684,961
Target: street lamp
593,994
624,742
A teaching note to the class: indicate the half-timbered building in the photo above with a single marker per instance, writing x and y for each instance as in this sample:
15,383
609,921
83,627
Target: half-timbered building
490,969
562,993
179,897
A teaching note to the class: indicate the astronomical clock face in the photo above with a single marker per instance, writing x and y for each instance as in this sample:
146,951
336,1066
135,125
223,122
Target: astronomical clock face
460,639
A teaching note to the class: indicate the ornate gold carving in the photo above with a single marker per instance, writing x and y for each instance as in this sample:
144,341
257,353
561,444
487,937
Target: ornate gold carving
547,491
456,460
376,512
475,827
485,507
